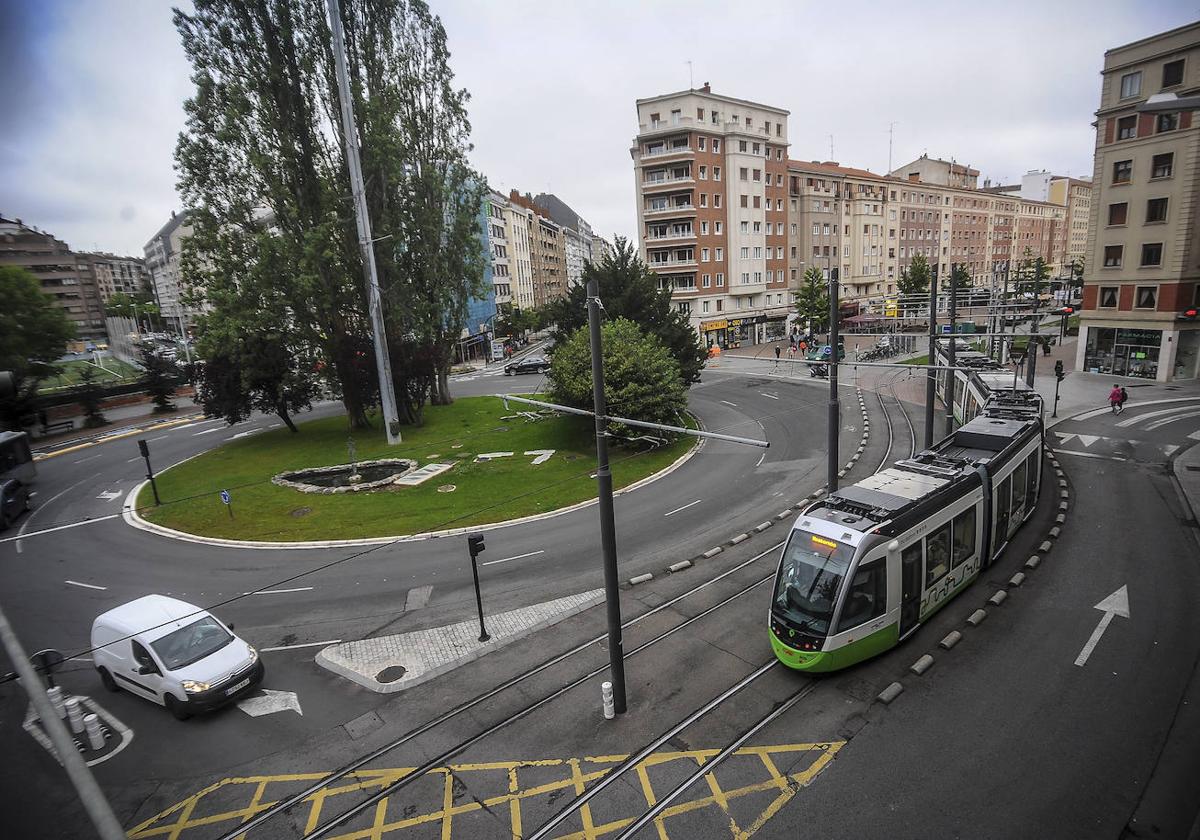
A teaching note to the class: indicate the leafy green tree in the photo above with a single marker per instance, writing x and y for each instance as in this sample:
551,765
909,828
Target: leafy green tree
628,289
89,399
33,333
959,277
641,378
915,279
159,380
812,300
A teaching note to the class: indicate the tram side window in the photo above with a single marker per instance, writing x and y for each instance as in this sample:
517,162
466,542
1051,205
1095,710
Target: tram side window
964,536
1002,492
867,597
1018,490
959,388
1031,485
937,555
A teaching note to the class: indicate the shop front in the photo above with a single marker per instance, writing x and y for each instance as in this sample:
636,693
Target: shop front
730,333
1123,352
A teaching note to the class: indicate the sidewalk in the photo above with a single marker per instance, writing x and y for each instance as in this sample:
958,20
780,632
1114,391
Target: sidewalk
119,418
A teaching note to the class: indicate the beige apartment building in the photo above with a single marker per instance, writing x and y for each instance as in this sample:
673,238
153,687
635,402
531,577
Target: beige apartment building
1075,194
117,275
710,176
65,276
1141,273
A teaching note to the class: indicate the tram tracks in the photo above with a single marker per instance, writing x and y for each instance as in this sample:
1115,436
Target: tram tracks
890,384
349,769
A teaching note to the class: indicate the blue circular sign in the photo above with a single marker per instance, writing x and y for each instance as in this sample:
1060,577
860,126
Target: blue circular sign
225,496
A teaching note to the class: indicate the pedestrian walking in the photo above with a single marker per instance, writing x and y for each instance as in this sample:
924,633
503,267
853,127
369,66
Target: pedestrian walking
778,353
1114,399
1124,397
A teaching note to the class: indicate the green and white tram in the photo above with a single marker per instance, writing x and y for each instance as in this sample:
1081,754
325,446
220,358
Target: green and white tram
864,567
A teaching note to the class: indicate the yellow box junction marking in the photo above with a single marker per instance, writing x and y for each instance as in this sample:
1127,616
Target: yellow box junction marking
191,818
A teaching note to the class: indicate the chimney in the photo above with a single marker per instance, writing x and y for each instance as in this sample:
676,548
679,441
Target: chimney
706,88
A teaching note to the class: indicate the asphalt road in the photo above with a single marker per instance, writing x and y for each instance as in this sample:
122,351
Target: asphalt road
54,584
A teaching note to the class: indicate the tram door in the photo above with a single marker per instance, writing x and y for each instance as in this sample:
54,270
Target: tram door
910,587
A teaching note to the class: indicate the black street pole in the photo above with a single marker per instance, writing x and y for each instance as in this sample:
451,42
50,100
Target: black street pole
475,542
1057,382
1031,352
834,408
950,355
930,373
608,527
144,448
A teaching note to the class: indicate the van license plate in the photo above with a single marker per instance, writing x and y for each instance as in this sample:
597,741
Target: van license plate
237,687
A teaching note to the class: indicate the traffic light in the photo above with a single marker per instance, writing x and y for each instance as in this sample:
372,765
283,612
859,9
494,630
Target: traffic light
1067,310
1189,314
1058,371
475,544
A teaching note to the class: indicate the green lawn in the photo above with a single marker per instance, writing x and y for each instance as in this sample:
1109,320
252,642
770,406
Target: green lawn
71,373
919,360
486,492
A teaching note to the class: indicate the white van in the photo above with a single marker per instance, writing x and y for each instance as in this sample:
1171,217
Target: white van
176,654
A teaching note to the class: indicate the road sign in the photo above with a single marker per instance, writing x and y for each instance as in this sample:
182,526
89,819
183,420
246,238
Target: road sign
946,329
225,496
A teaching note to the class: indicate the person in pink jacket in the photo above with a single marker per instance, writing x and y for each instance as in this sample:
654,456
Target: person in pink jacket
1114,399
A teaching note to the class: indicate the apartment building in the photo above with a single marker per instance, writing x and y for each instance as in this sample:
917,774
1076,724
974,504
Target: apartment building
1141,273
546,248
580,243
163,255
710,175
499,241
942,173
65,276
117,275
1075,194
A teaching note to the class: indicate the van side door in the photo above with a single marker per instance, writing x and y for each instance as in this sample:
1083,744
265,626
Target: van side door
141,674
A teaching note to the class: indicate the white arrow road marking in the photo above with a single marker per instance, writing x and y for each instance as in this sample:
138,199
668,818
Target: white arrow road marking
109,495
86,585
270,702
770,396
1065,437
1194,435
685,507
543,455
1115,604
488,456
1088,440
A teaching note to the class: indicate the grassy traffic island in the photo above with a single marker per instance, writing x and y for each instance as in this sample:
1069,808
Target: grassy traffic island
473,491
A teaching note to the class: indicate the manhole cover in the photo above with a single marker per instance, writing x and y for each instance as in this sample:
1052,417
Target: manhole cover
301,511
571,457
447,488
391,673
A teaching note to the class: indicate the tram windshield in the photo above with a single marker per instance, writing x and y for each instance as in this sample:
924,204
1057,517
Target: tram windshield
809,578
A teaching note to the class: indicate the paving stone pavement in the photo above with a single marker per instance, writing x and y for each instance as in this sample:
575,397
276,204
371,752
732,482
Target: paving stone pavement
424,654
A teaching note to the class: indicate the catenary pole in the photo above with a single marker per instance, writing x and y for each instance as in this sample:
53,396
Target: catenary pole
834,409
950,353
604,489
1032,347
383,364
930,378
97,807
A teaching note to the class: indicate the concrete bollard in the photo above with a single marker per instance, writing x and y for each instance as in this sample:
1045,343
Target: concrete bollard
95,733
606,697
75,715
57,700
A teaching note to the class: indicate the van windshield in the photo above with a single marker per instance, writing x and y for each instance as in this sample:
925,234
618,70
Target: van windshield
191,643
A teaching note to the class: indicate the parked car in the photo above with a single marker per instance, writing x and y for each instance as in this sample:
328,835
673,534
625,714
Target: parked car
174,654
14,501
530,364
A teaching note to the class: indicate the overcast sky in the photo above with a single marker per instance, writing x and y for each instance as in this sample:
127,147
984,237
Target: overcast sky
92,91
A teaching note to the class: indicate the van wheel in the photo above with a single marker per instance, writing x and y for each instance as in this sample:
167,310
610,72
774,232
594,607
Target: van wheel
107,679
177,709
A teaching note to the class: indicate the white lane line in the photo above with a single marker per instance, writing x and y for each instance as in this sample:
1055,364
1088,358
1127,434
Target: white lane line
1150,414
1097,412
1090,455
89,458
295,647
1159,423
279,591
134,458
86,585
770,396
760,459
727,402
45,504
517,557
160,437
207,431
685,507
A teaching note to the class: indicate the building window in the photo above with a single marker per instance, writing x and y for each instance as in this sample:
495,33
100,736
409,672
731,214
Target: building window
757,201
703,173
1131,84
706,281
719,304
716,172
1146,297
718,228
745,200
716,199
1108,297
745,253
1156,210
704,305
1122,172
757,174
758,227
720,283
1112,256
716,142
1117,213
743,174
756,148
1151,254
744,226
703,199
1166,122
700,141
1127,128
741,145
704,228
703,255
720,256
1172,73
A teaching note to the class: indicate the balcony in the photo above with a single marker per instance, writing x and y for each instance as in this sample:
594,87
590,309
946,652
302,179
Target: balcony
673,265
670,210
651,185
679,124
671,236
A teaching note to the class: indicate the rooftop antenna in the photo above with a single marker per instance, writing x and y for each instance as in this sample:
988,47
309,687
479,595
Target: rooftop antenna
891,128
831,147
691,82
